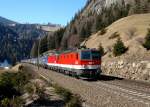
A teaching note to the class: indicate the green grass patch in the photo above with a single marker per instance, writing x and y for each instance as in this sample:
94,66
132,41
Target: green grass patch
11,88
147,41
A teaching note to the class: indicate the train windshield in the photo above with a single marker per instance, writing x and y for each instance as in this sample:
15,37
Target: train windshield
95,55
86,55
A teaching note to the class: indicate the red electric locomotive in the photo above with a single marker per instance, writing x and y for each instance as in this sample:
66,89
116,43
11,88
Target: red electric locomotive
81,63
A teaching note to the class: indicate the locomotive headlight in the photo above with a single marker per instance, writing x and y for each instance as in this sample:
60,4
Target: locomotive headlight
76,62
90,63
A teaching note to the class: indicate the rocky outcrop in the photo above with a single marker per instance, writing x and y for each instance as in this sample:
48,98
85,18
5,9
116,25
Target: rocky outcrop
138,70
99,5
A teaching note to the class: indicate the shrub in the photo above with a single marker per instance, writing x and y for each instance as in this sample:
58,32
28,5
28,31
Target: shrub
29,88
147,41
63,92
74,102
70,99
5,102
40,92
21,67
109,55
7,89
119,48
12,83
101,50
20,79
17,102
114,35
103,31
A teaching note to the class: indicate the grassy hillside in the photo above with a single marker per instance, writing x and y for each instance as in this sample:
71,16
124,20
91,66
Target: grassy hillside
132,31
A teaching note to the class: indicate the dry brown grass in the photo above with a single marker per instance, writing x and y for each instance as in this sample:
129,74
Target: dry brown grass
2,71
130,29
13,69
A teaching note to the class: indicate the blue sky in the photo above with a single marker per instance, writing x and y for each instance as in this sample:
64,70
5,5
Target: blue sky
40,11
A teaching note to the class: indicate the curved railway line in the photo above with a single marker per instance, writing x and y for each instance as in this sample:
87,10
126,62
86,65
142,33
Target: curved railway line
128,92
106,92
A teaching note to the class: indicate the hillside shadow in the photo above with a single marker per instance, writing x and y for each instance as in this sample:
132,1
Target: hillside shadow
104,78
47,103
108,78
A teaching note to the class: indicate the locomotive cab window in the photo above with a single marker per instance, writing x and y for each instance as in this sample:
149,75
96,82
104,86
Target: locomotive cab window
85,55
96,55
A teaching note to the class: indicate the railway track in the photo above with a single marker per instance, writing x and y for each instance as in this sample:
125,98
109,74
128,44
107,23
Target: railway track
136,90
131,85
101,93
128,92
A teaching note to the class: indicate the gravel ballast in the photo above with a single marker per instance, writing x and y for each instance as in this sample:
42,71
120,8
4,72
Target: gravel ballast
94,95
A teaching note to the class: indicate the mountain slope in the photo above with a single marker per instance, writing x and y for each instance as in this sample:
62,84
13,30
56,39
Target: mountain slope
98,14
132,31
16,41
135,63
6,21
8,44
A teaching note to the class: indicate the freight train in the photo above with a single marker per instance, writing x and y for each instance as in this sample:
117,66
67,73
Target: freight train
81,63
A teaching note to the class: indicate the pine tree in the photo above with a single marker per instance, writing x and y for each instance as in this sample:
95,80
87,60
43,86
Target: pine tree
83,32
101,49
98,22
13,59
119,48
147,41
34,50
43,45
